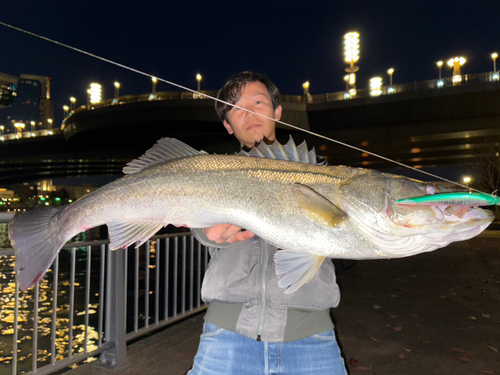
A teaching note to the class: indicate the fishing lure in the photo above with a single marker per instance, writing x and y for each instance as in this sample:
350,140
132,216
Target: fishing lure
461,198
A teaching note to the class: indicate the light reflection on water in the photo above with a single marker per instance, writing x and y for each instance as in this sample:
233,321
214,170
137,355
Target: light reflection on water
45,308
4,238
141,264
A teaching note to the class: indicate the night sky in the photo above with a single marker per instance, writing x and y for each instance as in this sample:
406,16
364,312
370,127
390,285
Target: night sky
289,41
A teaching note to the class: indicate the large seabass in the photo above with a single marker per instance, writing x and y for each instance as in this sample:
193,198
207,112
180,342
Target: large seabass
311,211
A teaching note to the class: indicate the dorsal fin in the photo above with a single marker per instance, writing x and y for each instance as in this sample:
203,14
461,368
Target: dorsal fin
283,152
164,150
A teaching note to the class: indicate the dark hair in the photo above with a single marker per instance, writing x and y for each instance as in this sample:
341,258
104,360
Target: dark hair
231,91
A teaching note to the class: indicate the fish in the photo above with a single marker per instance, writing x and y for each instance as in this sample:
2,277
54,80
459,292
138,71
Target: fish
310,212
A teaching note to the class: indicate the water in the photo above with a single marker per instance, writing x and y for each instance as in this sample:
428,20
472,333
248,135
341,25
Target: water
4,238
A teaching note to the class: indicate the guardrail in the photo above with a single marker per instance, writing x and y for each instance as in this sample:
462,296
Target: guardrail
432,84
93,301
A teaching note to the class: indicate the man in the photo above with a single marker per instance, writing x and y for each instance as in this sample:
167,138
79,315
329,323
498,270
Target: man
251,325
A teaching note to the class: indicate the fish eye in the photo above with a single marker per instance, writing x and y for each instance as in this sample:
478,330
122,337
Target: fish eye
430,189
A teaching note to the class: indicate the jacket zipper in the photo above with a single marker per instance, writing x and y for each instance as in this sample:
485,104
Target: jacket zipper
263,304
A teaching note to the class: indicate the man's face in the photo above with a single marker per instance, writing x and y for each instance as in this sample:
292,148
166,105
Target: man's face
250,128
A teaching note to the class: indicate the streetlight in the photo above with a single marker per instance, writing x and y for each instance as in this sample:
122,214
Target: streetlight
455,63
2,128
117,91
390,72
32,128
198,78
375,86
66,110
73,103
305,86
467,180
50,125
95,93
351,55
440,66
346,79
440,82
19,126
153,93
495,76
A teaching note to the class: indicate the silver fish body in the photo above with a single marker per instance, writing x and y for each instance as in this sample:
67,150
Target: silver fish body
310,211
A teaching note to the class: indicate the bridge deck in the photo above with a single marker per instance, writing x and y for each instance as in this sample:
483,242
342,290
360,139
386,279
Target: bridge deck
435,313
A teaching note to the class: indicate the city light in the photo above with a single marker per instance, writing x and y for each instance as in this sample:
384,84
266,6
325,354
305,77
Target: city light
390,72
456,63
351,55
153,92
346,79
19,127
198,78
351,47
305,86
495,74
117,91
440,66
375,86
95,93
390,90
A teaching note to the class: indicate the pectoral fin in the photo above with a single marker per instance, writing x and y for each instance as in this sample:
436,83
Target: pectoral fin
317,207
124,233
296,267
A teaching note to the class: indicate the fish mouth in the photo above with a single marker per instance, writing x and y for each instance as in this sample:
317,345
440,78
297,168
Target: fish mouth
397,240
425,219
465,216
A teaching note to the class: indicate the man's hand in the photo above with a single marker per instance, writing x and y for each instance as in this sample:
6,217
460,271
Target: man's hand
229,233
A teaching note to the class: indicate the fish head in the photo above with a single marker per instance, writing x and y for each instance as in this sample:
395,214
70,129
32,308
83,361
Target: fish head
370,200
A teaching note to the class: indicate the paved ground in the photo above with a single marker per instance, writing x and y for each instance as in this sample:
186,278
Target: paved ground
435,313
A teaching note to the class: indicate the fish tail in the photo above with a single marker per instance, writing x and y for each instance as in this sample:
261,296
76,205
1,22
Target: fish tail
36,238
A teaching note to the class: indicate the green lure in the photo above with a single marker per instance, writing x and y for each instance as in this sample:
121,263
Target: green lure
462,198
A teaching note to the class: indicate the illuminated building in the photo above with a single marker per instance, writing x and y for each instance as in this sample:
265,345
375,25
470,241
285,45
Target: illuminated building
24,100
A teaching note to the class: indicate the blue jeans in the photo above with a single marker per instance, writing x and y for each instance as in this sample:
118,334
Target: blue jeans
223,352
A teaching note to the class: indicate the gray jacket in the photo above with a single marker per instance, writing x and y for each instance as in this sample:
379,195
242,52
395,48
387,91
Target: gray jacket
242,289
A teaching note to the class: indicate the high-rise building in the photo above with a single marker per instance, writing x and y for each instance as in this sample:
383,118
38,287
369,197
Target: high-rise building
25,99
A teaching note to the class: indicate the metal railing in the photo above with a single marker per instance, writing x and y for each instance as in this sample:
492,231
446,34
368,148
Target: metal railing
432,84
93,301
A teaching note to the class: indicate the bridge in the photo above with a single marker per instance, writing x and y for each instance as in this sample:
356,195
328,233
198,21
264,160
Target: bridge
421,124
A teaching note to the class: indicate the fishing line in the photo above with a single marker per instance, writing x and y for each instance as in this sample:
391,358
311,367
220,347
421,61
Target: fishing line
235,106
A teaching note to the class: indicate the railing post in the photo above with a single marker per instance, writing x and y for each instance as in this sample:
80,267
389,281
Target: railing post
116,356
